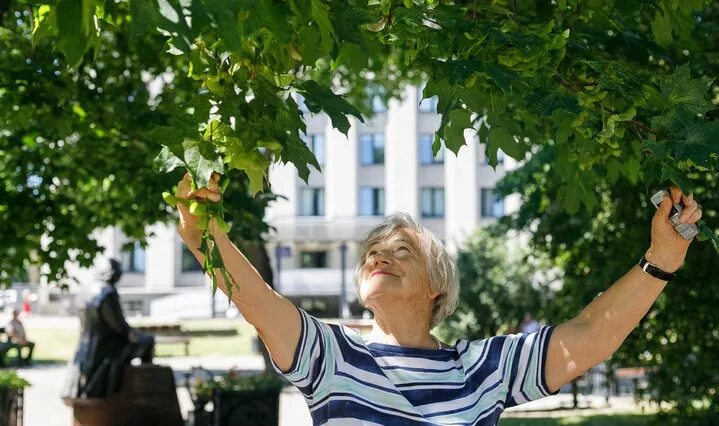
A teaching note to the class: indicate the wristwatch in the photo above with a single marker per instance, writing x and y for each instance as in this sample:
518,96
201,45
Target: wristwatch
654,270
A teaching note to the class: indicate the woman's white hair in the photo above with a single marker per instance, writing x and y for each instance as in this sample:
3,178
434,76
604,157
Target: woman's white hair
440,268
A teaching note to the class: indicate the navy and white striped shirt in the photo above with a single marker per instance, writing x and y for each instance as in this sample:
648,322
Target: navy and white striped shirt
347,381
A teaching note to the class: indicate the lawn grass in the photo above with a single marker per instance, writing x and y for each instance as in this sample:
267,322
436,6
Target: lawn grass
595,420
59,344
53,345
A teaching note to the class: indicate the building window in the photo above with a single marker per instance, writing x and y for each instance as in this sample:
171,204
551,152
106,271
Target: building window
428,104
500,158
372,148
316,143
189,263
132,307
371,201
492,204
376,94
378,105
133,259
425,150
313,259
432,200
312,202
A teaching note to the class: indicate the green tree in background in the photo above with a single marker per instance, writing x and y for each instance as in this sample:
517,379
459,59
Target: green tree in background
71,160
677,340
500,281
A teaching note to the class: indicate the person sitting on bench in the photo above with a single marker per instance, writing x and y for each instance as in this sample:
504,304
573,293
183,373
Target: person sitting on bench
17,338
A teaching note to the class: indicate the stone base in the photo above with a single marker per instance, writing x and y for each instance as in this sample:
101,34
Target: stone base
147,397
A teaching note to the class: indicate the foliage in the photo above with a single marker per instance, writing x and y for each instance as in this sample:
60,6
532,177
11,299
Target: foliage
73,159
9,379
499,283
233,382
678,337
608,80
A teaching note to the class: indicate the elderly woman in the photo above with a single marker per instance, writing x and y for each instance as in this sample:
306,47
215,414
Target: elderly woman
403,375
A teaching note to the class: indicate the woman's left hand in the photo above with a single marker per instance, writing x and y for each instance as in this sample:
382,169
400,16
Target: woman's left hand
668,248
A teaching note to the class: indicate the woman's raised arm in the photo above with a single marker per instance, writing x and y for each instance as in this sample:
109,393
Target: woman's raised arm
276,319
598,331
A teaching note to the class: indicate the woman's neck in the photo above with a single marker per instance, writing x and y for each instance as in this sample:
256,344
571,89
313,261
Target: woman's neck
410,329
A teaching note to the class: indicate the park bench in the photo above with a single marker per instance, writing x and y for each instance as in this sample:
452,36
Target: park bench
167,334
175,334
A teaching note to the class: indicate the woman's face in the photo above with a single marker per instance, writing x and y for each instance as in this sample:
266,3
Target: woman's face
396,269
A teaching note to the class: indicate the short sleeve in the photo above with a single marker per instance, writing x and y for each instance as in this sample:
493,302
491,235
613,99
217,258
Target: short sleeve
527,366
313,356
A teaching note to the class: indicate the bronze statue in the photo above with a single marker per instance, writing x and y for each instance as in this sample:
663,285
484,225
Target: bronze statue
107,344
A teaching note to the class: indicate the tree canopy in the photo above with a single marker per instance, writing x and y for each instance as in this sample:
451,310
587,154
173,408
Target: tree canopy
608,81
71,156
621,89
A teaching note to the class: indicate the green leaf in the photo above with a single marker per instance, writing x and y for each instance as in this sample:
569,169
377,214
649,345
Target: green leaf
201,160
229,282
610,126
669,173
708,234
320,98
170,199
320,13
633,169
309,44
197,208
74,21
700,143
166,161
222,224
444,92
570,197
453,132
662,29
298,153
679,89
352,56
500,138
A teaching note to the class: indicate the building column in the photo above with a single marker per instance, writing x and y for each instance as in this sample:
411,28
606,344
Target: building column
461,192
160,258
401,161
340,172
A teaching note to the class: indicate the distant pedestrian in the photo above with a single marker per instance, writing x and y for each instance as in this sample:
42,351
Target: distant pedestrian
529,324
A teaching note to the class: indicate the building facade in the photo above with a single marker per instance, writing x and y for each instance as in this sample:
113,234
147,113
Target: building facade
384,165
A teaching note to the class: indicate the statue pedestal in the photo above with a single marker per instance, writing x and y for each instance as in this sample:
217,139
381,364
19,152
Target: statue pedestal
147,396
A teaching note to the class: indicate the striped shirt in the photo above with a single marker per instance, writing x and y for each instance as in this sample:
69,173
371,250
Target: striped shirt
347,381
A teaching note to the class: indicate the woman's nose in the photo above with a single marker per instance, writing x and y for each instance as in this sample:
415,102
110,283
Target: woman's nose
378,258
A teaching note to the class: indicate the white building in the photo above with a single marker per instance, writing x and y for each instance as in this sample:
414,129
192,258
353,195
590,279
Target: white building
384,165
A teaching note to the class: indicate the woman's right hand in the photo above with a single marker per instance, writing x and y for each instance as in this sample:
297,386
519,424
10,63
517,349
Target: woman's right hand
188,222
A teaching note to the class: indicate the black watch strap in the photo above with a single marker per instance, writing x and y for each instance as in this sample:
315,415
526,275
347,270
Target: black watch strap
654,271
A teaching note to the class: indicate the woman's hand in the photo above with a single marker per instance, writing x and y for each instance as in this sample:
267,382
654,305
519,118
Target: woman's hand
668,249
188,222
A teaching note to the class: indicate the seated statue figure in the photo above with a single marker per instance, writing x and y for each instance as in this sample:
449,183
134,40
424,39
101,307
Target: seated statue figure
107,344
